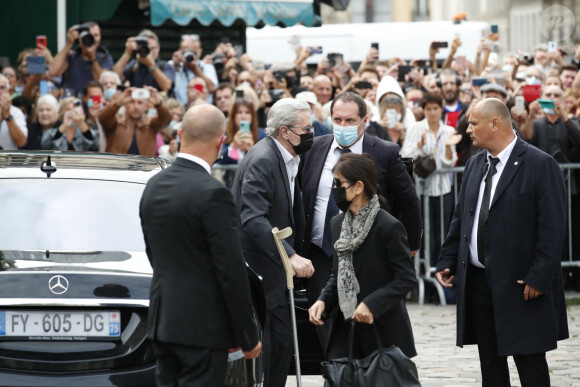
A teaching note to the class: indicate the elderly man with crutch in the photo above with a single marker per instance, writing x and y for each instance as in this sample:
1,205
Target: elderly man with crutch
267,195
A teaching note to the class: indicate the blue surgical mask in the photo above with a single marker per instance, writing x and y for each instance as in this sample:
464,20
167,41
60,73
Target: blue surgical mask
174,125
345,135
312,117
109,93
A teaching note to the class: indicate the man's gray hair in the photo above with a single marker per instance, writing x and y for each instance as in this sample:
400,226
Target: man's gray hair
284,113
107,73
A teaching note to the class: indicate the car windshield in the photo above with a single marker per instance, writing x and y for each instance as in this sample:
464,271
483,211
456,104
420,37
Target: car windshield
70,215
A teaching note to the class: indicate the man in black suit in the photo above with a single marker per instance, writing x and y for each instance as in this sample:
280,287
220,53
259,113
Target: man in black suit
502,253
267,195
349,117
200,294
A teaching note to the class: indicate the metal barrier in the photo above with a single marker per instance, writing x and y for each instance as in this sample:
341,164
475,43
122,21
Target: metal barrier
425,272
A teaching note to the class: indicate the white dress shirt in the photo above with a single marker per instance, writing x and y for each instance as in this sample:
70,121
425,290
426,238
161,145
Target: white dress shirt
6,141
291,163
325,187
503,156
196,160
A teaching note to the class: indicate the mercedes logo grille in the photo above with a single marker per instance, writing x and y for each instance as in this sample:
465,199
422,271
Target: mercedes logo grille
58,284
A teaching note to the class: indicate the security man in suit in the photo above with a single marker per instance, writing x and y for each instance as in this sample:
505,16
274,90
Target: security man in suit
200,295
349,118
267,195
502,253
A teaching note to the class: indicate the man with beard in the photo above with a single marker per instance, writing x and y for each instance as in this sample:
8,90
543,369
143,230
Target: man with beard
449,82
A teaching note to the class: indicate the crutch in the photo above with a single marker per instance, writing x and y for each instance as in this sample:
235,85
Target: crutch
290,273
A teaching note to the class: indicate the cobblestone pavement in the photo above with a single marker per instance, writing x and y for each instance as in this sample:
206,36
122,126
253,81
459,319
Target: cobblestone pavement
441,363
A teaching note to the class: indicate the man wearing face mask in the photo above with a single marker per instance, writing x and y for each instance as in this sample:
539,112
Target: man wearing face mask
267,195
134,131
192,235
349,117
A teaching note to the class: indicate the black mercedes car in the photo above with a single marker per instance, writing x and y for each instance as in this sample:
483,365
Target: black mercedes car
74,276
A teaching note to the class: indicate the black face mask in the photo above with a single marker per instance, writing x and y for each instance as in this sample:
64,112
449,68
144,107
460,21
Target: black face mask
339,195
306,141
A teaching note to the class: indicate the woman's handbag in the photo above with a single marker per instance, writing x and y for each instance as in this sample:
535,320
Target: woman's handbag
383,367
425,165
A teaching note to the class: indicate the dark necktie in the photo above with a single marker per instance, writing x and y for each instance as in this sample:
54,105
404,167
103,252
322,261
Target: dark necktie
331,210
482,245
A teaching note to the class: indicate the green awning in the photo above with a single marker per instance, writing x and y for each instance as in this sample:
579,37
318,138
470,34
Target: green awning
286,12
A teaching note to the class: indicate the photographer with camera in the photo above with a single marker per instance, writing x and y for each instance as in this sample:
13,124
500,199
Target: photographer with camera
146,69
134,132
86,62
188,65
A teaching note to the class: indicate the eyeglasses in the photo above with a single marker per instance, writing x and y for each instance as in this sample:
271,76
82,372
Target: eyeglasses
466,91
306,129
338,183
12,75
552,95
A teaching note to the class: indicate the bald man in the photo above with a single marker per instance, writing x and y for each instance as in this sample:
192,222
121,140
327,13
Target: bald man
502,253
322,87
200,304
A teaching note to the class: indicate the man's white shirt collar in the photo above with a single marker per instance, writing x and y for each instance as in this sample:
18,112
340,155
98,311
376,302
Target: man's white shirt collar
196,160
286,156
505,154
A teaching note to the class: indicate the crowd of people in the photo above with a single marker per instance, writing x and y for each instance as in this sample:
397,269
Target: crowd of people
297,134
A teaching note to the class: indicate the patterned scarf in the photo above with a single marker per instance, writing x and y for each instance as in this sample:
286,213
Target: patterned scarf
353,233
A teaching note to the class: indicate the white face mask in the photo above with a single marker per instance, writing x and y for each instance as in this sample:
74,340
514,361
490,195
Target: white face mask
507,68
533,80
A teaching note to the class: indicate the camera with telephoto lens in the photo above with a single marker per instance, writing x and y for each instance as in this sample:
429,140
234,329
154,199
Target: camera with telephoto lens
142,46
188,55
85,36
218,62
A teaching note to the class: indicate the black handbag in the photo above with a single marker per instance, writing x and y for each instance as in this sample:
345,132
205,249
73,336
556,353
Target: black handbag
383,367
424,166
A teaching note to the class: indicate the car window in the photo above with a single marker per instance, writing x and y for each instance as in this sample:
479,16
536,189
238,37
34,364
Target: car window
70,215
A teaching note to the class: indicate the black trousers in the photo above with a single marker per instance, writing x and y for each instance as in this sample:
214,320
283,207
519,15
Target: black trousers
277,346
183,366
314,285
532,369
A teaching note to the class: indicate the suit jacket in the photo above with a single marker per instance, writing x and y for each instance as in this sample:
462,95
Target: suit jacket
395,184
200,294
385,273
526,228
261,190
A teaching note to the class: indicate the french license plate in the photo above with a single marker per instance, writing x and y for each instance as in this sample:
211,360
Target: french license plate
45,325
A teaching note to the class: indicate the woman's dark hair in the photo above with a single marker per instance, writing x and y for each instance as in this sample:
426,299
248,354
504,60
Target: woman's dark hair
232,128
359,167
431,98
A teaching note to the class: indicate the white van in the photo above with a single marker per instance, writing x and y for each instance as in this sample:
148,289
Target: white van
405,40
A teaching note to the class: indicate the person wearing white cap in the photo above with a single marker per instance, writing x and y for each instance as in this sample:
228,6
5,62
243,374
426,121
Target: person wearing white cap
308,96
